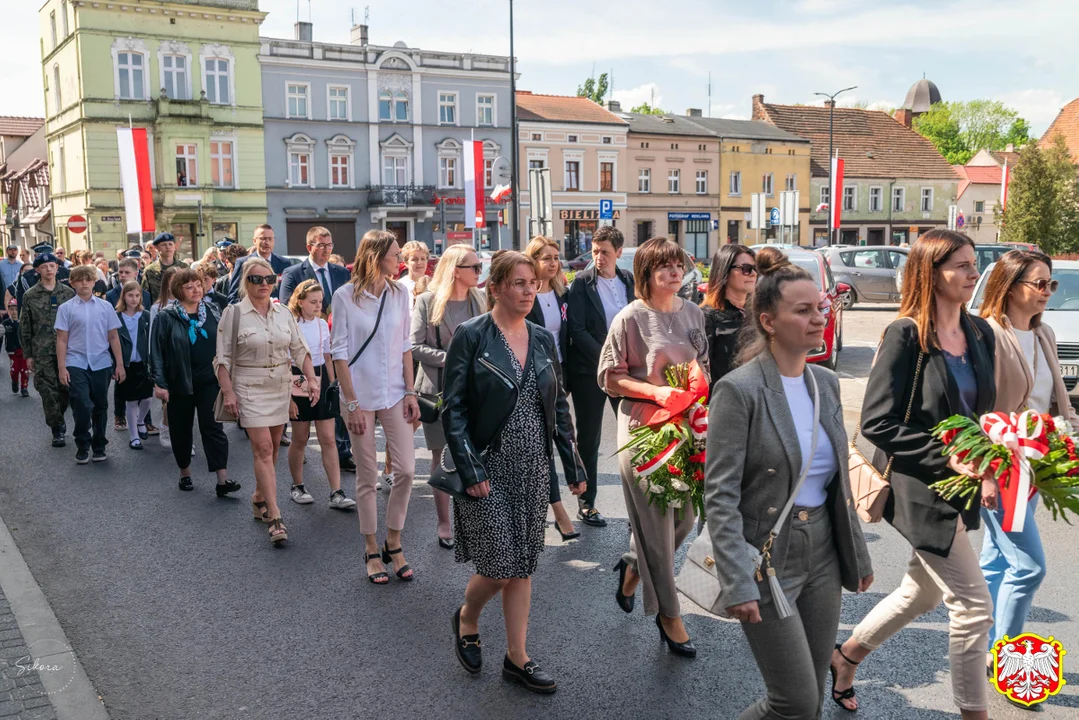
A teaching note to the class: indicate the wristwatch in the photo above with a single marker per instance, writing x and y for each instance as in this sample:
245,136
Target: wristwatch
352,406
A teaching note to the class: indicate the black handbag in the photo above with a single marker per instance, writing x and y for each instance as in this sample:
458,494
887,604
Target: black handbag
447,479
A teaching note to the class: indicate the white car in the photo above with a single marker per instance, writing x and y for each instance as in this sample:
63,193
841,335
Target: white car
1061,314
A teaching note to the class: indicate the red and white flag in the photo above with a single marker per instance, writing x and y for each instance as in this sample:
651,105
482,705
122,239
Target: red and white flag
1004,177
475,200
835,196
500,193
135,179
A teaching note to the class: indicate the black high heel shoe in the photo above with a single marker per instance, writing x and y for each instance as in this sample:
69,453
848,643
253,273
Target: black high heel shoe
571,535
686,649
626,602
838,696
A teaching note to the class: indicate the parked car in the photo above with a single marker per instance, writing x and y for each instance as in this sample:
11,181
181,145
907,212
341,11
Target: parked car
1061,314
580,262
871,271
828,353
989,253
690,280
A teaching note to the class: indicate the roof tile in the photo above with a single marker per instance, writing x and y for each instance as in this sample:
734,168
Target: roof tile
19,126
563,108
1067,125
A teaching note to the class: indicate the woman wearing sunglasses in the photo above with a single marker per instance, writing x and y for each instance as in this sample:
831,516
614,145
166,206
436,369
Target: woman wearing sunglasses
730,285
1028,378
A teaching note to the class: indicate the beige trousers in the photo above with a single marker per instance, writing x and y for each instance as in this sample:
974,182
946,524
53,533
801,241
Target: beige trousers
958,581
401,447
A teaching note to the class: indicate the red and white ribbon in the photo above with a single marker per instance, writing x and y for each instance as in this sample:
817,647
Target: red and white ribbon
698,421
1024,435
660,460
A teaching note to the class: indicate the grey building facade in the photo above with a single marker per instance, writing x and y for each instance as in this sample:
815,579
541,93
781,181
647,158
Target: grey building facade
362,137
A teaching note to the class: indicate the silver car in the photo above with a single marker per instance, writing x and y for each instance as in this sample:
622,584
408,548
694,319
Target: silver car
869,270
691,280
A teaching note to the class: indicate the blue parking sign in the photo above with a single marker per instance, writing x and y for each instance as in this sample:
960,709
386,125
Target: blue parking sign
606,209
774,216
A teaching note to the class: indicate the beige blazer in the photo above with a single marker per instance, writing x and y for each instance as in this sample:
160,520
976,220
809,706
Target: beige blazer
1013,377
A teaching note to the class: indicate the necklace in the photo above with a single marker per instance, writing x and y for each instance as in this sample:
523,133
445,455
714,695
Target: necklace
548,301
519,334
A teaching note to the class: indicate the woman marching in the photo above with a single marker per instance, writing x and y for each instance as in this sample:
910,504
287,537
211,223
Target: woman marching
935,361
730,286
1027,378
306,306
504,409
137,388
451,300
655,331
774,395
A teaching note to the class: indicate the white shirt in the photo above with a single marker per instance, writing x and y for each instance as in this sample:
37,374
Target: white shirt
410,286
552,316
87,324
1041,397
824,467
612,293
378,376
317,335
132,323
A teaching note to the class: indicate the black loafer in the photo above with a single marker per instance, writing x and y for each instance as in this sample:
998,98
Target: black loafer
467,648
532,676
591,516
223,489
186,484
348,464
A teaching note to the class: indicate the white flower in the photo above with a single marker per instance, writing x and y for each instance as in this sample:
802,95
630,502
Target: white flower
680,486
1062,425
676,503
656,489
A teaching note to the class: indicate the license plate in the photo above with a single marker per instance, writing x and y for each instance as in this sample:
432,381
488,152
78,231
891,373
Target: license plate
1069,371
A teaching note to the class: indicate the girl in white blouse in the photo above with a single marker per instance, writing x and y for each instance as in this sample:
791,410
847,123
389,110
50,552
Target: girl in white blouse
372,354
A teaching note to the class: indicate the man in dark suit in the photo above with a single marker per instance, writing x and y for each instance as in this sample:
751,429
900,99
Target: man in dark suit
317,266
595,297
263,242
127,271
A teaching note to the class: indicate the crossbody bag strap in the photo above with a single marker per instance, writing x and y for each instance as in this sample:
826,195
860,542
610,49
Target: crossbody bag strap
378,319
807,462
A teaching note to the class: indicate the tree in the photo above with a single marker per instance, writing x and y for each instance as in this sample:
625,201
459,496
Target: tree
646,109
941,128
1043,203
1018,134
960,129
594,90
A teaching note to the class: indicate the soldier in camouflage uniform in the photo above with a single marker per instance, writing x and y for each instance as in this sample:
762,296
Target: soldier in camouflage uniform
28,279
151,276
38,336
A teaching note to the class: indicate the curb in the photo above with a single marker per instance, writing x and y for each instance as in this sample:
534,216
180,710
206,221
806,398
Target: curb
72,695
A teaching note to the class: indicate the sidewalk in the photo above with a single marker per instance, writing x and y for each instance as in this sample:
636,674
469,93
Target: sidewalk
22,696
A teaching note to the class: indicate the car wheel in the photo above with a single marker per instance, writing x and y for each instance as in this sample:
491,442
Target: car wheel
849,299
839,340
833,360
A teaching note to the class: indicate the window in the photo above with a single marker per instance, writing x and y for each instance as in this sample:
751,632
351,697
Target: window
571,138
702,148
63,18
174,69
927,199
447,108
536,137
447,172
385,105
899,199
825,195
299,169
644,180
606,140
864,259
393,107
187,166
131,67
489,173
217,81
536,164
644,145
395,170
702,182
674,181
735,148
979,206
768,151
485,110
876,199
736,183
767,186
791,184
573,175
338,103
606,177
339,171
57,100
62,174
400,106
674,146
221,164
297,101
850,199
52,26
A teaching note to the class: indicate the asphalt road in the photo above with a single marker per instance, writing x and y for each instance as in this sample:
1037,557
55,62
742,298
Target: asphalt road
179,608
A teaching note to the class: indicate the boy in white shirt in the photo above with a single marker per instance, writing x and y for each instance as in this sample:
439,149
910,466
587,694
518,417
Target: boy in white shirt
86,333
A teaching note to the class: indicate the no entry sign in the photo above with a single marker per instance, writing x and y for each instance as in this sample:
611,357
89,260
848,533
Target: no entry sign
76,224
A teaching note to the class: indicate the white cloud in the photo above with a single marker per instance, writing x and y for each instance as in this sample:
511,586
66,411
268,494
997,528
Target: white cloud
647,93
1038,106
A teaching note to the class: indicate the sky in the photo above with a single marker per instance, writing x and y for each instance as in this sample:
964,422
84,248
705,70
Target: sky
785,49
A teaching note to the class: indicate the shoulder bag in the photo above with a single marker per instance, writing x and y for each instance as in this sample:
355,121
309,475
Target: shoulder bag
431,404
446,478
869,487
222,415
333,392
698,579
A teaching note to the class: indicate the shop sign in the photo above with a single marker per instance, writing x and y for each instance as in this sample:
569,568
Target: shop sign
584,214
440,199
689,216
111,218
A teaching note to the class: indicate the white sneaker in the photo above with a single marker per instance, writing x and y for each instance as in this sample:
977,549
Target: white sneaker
340,502
388,479
378,484
300,496
166,441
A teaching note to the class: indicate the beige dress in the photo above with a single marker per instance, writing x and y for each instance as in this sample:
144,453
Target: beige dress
258,353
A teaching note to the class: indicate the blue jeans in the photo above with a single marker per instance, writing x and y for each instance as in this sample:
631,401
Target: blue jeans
1014,566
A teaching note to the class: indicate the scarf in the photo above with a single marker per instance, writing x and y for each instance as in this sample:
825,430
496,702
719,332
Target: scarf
194,325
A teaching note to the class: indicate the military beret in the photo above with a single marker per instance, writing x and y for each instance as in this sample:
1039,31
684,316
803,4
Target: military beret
163,237
134,254
46,258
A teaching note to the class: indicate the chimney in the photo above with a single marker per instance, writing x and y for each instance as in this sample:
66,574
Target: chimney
694,112
904,117
304,31
1010,147
614,106
829,103
758,108
359,35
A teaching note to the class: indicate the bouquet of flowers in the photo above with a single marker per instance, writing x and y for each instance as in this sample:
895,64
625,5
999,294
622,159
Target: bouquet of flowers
668,446
1028,453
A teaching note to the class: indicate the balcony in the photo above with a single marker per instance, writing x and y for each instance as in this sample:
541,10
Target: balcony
401,196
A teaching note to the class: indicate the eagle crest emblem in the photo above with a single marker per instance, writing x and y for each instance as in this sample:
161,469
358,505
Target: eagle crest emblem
1028,668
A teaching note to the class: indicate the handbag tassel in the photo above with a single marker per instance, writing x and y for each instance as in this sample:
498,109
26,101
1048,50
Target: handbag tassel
783,609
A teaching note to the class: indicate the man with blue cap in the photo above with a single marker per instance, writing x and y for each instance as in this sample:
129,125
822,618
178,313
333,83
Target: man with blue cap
225,242
166,258
28,279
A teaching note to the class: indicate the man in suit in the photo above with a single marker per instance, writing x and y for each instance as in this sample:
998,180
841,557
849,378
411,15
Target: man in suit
127,271
263,243
317,266
595,297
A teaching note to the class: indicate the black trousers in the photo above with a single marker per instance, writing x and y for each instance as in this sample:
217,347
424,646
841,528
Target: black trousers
88,393
588,401
182,410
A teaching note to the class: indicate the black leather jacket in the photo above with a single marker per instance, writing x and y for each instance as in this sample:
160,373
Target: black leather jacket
170,349
481,392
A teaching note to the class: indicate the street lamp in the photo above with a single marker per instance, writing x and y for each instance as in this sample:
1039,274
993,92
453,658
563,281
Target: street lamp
513,140
831,117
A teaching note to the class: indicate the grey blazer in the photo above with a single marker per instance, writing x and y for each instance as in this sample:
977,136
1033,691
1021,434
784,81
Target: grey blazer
745,491
425,345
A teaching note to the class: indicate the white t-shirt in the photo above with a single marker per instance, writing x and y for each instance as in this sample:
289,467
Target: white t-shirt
1041,397
552,316
824,467
612,293
316,333
409,284
378,375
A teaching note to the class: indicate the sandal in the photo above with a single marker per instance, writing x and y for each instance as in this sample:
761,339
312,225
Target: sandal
379,578
278,531
119,424
838,696
388,560
135,444
259,508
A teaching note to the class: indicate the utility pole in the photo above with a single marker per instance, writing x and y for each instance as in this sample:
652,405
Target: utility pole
709,93
514,142
831,120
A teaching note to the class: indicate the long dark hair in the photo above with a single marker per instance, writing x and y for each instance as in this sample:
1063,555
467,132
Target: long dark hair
1008,271
716,295
773,270
919,297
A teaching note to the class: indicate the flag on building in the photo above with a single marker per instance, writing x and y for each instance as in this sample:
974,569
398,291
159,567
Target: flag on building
1004,176
835,194
500,193
475,199
135,179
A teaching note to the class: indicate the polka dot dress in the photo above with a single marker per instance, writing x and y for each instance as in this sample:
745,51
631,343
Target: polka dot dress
503,532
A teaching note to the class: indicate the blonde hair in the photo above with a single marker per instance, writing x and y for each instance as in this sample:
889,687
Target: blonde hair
374,245
124,290
412,247
502,265
300,294
444,280
251,262
535,248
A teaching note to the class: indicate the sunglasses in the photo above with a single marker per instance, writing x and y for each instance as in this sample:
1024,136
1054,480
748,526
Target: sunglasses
477,268
261,279
747,269
1041,284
